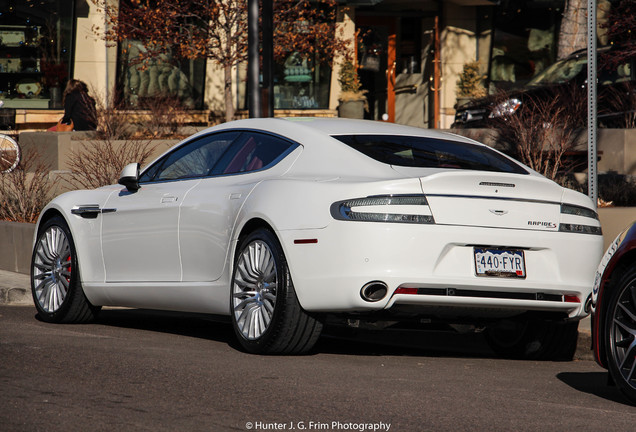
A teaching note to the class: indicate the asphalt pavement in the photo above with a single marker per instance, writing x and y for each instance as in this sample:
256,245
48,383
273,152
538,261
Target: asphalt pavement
139,370
15,290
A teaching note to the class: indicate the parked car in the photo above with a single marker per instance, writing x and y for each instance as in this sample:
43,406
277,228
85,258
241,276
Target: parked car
614,312
616,96
280,223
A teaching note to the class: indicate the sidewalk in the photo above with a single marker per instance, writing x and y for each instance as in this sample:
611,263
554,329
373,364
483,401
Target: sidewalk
15,290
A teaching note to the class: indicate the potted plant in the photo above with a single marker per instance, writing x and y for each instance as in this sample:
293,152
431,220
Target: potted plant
353,101
469,84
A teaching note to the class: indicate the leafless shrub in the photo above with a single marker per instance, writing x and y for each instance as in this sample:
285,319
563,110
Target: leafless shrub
100,162
154,117
617,106
544,132
165,116
112,123
25,191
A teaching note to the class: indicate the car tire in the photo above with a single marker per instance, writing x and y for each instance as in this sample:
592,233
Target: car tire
619,333
534,339
55,282
265,313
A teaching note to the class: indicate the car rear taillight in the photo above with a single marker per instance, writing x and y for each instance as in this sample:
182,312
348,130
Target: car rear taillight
569,209
581,229
578,211
386,208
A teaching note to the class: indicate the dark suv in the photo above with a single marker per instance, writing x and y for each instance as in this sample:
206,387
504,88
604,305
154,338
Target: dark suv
616,92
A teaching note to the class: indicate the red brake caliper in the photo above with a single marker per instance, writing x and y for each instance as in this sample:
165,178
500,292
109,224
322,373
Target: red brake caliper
68,279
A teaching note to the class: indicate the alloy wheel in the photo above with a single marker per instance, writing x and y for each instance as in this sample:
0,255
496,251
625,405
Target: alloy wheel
52,269
254,290
623,334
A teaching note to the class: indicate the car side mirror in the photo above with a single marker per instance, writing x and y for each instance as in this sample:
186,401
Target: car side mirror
130,177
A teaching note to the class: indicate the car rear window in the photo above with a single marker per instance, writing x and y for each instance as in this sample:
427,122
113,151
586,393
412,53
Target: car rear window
560,72
422,152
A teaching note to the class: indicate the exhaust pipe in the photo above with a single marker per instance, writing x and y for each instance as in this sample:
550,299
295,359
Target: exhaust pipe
588,304
374,291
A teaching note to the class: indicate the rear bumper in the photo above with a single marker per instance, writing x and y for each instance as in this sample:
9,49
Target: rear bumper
438,262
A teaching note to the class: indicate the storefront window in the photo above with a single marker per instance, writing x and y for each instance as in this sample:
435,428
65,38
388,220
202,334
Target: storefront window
305,43
301,82
162,79
35,52
525,41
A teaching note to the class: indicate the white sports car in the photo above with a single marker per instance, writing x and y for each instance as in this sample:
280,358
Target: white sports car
280,223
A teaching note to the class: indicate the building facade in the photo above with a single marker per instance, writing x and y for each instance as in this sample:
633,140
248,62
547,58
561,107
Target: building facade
409,55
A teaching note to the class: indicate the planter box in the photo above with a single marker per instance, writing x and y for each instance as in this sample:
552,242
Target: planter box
55,148
351,109
15,246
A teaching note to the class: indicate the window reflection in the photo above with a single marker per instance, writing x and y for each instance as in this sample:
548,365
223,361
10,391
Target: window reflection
164,78
35,41
301,82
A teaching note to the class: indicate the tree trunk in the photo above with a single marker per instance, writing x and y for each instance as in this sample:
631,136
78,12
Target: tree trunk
573,28
227,90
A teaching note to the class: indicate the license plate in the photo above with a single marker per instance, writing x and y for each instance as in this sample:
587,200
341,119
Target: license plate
500,263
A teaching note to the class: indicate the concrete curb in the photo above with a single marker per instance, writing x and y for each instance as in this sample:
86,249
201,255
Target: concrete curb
15,289
15,296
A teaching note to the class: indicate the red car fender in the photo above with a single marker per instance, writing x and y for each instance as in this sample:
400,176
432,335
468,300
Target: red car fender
622,251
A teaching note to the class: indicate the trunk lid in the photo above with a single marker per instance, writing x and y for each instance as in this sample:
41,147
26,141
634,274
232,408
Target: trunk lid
484,199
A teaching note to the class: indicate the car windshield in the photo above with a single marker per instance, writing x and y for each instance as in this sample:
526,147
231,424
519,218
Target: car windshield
560,72
423,152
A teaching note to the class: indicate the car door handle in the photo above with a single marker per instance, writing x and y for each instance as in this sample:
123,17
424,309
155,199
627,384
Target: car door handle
90,211
168,199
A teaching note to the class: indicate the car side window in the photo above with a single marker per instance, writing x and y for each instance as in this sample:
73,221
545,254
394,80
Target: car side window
194,159
253,151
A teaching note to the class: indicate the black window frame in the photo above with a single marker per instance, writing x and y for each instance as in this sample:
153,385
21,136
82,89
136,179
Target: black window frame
227,155
202,140
371,148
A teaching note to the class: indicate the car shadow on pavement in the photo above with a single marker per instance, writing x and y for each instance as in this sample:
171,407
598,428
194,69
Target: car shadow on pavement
594,383
334,340
426,343
200,326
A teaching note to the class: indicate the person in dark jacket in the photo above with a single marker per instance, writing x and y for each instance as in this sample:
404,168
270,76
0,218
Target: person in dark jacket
79,107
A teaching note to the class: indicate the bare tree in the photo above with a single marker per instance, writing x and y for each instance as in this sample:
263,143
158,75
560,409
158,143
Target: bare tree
217,30
189,29
308,27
